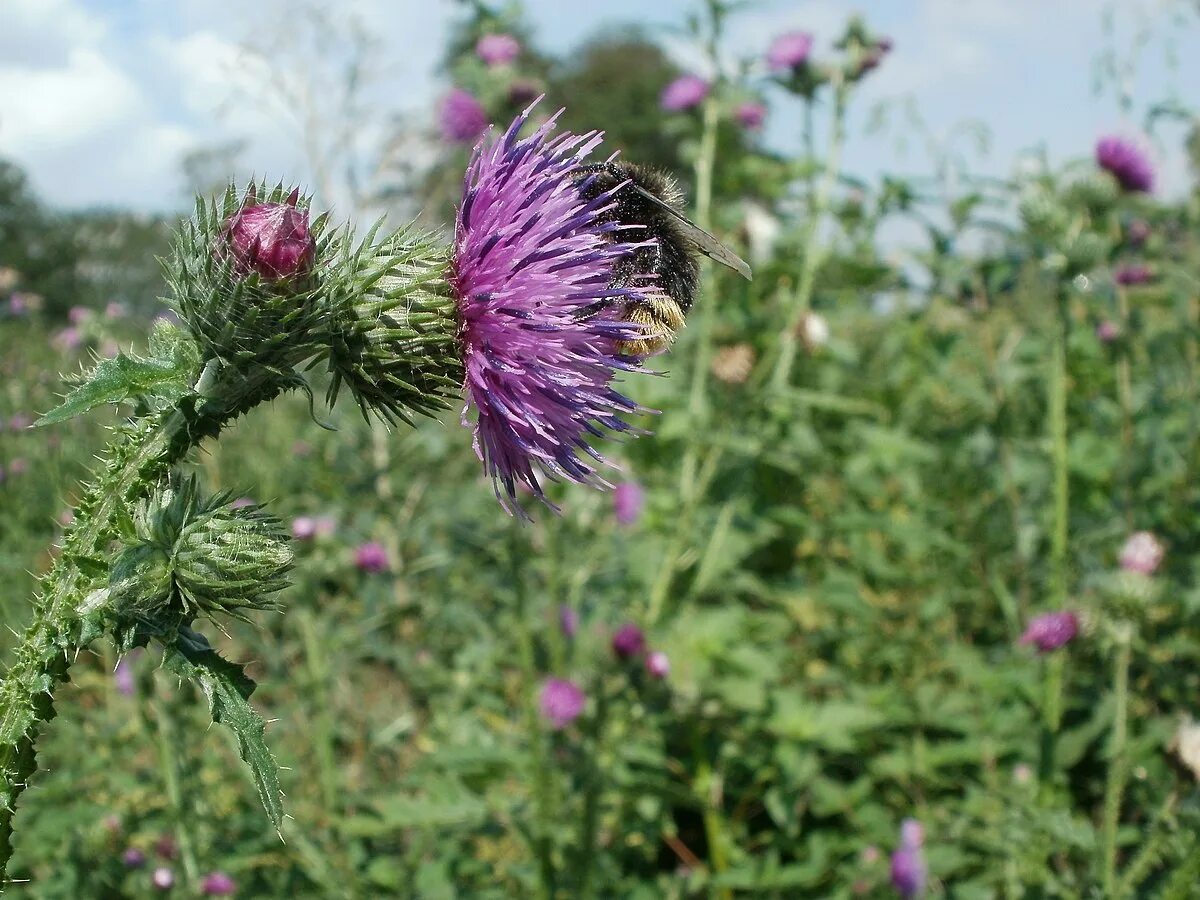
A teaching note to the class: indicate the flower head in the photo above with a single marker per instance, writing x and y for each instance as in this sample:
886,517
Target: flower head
372,558
1142,553
271,239
1107,331
628,499
133,858
685,92
497,49
1127,163
124,678
628,641
163,878
463,119
908,869
568,621
789,51
561,702
658,665
217,884
1133,274
532,268
1050,631
304,528
750,115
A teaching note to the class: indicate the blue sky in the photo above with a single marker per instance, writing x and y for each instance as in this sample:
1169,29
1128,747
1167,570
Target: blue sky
100,99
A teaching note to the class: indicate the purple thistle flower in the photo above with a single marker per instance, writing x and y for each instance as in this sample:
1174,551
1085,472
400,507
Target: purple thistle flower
628,641
1049,631
271,239
685,92
77,315
533,264
568,621
67,339
561,702
750,115
1107,331
372,558
1142,553
789,51
123,677
463,119
114,310
18,305
1127,163
163,878
628,500
304,528
133,858
908,869
658,665
1137,232
497,49
1133,274
217,884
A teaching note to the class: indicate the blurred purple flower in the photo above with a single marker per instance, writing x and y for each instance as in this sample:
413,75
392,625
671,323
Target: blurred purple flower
908,862
133,858
17,305
561,702
372,558
750,116
628,641
533,263
628,500
304,528
1049,631
77,315
123,676
67,339
568,621
163,878
1127,162
114,310
166,847
463,119
1137,232
1133,274
1142,552
658,665
271,239
497,49
789,51
217,884
685,92
1107,331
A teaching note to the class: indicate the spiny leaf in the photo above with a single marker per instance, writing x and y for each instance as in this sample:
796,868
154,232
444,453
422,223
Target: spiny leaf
228,688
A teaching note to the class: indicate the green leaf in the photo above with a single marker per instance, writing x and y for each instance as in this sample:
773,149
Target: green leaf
228,689
123,377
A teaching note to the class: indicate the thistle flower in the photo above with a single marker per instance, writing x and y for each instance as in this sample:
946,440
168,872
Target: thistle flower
628,641
77,315
685,92
67,339
217,884
114,310
531,274
497,49
789,51
568,621
372,558
463,119
750,115
133,858
628,499
271,239
658,665
1107,331
163,878
1050,631
908,869
304,528
1142,553
1126,162
123,677
1133,274
561,702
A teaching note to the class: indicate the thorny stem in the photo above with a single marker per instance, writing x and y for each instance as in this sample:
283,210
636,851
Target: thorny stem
136,462
1117,763
813,254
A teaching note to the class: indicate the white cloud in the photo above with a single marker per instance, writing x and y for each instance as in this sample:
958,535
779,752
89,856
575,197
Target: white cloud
42,33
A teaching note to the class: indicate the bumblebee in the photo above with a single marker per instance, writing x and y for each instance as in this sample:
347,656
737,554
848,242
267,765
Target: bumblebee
648,204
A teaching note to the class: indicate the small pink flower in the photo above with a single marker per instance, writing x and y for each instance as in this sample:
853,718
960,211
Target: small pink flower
750,115
1133,274
628,499
372,558
1052,630
789,51
1143,552
77,315
685,92
304,528
462,118
163,878
497,49
1107,331
628,641
67,339
217,884
568,621
658,665
114,310
561,702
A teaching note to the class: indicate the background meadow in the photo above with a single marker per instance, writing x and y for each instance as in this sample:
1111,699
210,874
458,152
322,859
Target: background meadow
801,650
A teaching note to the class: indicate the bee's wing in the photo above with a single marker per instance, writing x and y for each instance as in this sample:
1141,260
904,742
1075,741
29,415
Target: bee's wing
704,242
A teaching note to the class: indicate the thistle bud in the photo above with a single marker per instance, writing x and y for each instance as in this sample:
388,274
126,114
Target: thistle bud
1084,252
1043,215
271,239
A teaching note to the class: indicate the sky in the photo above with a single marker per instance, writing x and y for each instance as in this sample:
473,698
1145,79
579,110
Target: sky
100,100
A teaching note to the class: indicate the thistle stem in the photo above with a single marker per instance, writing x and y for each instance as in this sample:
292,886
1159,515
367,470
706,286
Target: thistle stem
1125,398
1057,426
170,752
1117,764
704,175
814,254
591,800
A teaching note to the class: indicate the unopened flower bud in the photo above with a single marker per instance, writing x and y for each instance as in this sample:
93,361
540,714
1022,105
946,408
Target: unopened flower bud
1050,631
628,641
271,239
